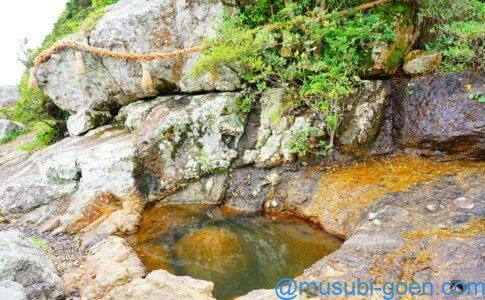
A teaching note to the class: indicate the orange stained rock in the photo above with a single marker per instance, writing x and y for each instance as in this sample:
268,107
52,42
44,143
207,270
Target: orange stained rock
351,188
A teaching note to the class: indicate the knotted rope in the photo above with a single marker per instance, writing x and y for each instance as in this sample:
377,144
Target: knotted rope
147,81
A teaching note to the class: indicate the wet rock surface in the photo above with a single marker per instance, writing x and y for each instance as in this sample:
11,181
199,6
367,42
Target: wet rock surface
396,237
435,115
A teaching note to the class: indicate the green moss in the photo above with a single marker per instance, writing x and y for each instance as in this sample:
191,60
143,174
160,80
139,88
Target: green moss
39,242
396,57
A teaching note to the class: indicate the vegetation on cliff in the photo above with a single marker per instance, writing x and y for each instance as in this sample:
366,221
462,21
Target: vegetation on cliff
34,108
319,55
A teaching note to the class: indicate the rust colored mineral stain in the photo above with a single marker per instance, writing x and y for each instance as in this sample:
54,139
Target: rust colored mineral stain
351,188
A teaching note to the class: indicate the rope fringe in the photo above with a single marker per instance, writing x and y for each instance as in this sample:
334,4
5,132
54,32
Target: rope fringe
79,68
32,80
146,79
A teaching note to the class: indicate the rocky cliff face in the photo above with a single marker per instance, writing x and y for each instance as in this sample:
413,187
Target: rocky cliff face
192,141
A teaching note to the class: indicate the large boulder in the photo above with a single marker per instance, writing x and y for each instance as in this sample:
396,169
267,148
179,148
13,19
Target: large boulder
185,138
78,184
436,115
26,272
141,27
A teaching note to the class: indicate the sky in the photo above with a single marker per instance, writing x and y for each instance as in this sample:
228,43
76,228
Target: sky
19,19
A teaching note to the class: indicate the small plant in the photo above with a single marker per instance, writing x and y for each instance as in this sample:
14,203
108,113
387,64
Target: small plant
12,135
477,97
307,141
39,242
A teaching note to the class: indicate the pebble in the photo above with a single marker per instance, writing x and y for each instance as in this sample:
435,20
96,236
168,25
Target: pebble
431,207
372,216
464,203
377,222
274,203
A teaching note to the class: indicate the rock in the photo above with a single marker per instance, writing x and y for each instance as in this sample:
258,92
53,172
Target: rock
464,203
372,216
10,290
163,285
419,62
26,272
8,96
109,264
142,27
72,186
132,115
411,243
275,130
213,253
208,190
185,138
385,58
7,126
334,199
434,114
431,207
82,122
362,123
260,295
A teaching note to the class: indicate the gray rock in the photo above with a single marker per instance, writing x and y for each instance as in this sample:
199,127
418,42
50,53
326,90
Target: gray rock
65,186
133,114
275,130
362,122
82,122
142,27
8,96
10,290
7,126
24,264
185,138
421,62
208,190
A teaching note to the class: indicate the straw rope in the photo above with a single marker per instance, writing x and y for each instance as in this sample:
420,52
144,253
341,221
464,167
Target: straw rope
140,57
59,46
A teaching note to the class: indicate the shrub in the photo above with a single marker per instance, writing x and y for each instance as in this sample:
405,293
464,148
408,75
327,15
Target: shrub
317,61
457,32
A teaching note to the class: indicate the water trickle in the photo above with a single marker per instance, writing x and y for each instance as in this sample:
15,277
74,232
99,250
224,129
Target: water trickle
239,253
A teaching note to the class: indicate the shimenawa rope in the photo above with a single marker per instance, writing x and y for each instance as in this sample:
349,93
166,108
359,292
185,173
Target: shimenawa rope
147,81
